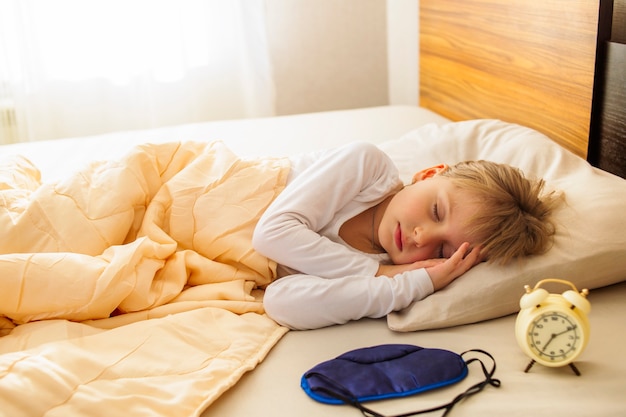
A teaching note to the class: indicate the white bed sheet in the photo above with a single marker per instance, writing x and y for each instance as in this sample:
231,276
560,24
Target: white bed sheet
272,389
277,136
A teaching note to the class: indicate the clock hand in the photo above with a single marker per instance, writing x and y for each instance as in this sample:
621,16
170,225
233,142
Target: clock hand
555,335
551,339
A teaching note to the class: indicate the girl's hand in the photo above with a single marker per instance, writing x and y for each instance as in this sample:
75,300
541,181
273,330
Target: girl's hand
392,270
441,271
460,262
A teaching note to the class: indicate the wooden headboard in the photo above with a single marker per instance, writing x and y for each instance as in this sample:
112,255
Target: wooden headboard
526,62
607,138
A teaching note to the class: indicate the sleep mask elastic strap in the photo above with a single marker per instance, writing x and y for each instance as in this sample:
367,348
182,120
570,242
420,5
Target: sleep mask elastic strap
343,394
476,388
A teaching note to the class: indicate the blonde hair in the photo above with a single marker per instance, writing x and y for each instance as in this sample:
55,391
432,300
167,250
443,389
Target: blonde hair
516,216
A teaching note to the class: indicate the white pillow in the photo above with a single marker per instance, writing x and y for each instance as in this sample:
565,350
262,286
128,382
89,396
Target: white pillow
590,243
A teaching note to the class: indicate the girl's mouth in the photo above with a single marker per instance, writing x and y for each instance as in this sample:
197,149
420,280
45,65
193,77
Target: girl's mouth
398,237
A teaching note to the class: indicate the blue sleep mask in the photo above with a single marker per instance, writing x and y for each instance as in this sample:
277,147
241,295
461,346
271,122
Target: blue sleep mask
391,371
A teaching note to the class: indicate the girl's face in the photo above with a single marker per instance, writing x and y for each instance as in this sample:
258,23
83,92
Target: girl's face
426,220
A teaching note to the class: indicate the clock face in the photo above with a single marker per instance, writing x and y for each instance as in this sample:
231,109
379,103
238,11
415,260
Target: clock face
554,337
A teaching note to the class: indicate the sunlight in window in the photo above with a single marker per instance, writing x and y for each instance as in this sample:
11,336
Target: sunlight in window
118,40
74,67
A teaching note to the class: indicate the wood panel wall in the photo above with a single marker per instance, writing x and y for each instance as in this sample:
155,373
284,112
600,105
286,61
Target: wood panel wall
526,62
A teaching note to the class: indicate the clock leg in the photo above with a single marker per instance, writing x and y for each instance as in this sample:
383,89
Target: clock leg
530,365
576,371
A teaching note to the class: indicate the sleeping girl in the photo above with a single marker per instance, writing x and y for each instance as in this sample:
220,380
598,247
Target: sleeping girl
351,241
338,237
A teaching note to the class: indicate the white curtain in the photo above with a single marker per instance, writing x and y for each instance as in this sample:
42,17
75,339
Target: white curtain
75,67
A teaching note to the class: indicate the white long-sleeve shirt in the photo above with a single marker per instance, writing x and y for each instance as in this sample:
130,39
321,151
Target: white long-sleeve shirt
325,281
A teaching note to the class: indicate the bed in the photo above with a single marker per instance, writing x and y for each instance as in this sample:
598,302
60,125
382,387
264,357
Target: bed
547,106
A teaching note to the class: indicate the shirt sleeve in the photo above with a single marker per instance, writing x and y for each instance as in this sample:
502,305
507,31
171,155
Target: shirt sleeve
288,232
303,302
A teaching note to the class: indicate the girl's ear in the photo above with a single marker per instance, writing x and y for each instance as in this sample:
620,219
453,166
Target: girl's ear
429,172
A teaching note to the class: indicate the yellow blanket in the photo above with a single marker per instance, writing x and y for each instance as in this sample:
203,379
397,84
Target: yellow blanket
131,288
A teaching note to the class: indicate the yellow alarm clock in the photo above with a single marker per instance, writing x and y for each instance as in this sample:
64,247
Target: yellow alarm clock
553,329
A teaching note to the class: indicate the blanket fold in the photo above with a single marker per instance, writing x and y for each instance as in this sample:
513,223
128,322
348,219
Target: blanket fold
163,232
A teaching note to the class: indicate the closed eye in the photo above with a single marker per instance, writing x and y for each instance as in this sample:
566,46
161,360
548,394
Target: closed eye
437,219
436,213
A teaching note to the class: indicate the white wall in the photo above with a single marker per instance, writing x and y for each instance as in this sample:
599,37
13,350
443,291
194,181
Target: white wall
328,54
339,54
403,51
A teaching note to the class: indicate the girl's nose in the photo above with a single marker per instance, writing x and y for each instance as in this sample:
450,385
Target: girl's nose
420,236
